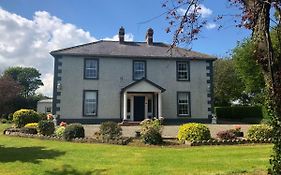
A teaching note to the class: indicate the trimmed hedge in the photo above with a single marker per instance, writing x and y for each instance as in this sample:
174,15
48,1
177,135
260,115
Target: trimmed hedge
258,132
252,113
25,116
193,132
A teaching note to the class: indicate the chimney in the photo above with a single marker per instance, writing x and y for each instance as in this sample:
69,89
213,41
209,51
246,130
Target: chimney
121,35
149,36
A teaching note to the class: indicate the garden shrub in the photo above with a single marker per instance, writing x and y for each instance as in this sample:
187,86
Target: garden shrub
46,127
42,116
59,131
31,125
193,132
110,131
151,131
257,132
244,113
74,130
226,135
24,116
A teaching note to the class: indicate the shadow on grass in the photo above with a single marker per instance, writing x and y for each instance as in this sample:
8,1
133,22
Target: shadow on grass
27,154
68,170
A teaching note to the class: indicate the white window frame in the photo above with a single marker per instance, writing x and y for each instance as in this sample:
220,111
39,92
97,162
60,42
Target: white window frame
186,104
87,103
187,72
138,69
91,71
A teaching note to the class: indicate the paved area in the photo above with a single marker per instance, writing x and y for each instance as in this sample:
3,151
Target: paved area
168,130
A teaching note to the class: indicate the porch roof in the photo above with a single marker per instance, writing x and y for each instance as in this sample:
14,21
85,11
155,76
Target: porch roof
143,85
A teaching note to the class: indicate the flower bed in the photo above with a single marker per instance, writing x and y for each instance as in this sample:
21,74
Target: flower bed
228,142
16,132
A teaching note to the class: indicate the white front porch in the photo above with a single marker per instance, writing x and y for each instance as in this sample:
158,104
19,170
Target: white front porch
141,100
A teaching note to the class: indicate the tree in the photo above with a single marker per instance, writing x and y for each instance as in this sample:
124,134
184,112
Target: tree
255,16
9,90
27,77
249,72
228,86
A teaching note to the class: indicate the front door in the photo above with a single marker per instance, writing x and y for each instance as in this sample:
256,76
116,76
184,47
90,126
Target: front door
138,108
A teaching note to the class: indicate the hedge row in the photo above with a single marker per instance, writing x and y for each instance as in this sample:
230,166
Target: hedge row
239,112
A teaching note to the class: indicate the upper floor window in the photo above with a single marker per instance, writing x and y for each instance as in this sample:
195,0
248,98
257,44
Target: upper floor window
183,71
183,104
139,70
91,69
90,103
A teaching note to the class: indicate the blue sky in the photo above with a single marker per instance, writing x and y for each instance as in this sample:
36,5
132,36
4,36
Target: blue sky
102,18
52,24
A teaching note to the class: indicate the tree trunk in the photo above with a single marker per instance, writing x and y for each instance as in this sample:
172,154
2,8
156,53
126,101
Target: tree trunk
271,69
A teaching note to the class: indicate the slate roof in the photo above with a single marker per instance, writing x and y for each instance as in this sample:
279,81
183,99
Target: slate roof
131,50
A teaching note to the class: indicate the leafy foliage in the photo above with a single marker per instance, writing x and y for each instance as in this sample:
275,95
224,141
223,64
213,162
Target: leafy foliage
240,113
226,135
27,77
247,68
110,131
59,131
25,116
257,132
72,131
193,132
9,90
151,130
46,127
31,125
227,85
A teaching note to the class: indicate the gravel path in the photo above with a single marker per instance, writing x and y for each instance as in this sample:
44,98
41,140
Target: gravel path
168,130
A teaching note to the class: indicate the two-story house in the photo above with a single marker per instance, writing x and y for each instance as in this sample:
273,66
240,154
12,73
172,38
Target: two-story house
132,81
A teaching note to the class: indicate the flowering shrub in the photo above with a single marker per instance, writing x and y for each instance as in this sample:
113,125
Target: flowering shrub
193,132
63,124
31,125
226,135
257,132
50,117
59,131
151,131
24,116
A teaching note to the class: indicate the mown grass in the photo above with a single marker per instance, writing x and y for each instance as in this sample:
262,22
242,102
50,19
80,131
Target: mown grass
33,156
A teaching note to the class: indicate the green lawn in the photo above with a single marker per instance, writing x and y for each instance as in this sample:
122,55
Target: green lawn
34,156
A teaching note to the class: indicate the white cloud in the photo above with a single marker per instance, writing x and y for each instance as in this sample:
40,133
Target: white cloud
25,42
202,10
128,37
211,25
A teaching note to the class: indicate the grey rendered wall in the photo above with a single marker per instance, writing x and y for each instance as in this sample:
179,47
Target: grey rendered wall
115,73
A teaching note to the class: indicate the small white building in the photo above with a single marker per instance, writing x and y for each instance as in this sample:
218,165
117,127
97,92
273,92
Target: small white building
45,106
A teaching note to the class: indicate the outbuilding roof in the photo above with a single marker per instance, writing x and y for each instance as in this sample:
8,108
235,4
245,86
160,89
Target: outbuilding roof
130,49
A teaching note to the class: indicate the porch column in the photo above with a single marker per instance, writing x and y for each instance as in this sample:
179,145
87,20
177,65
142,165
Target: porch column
159,105
125,106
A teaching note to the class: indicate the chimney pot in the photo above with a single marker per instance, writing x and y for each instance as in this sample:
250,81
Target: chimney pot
149,36
121,34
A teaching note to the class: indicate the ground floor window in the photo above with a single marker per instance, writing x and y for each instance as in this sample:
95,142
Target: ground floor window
90,103
183,103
